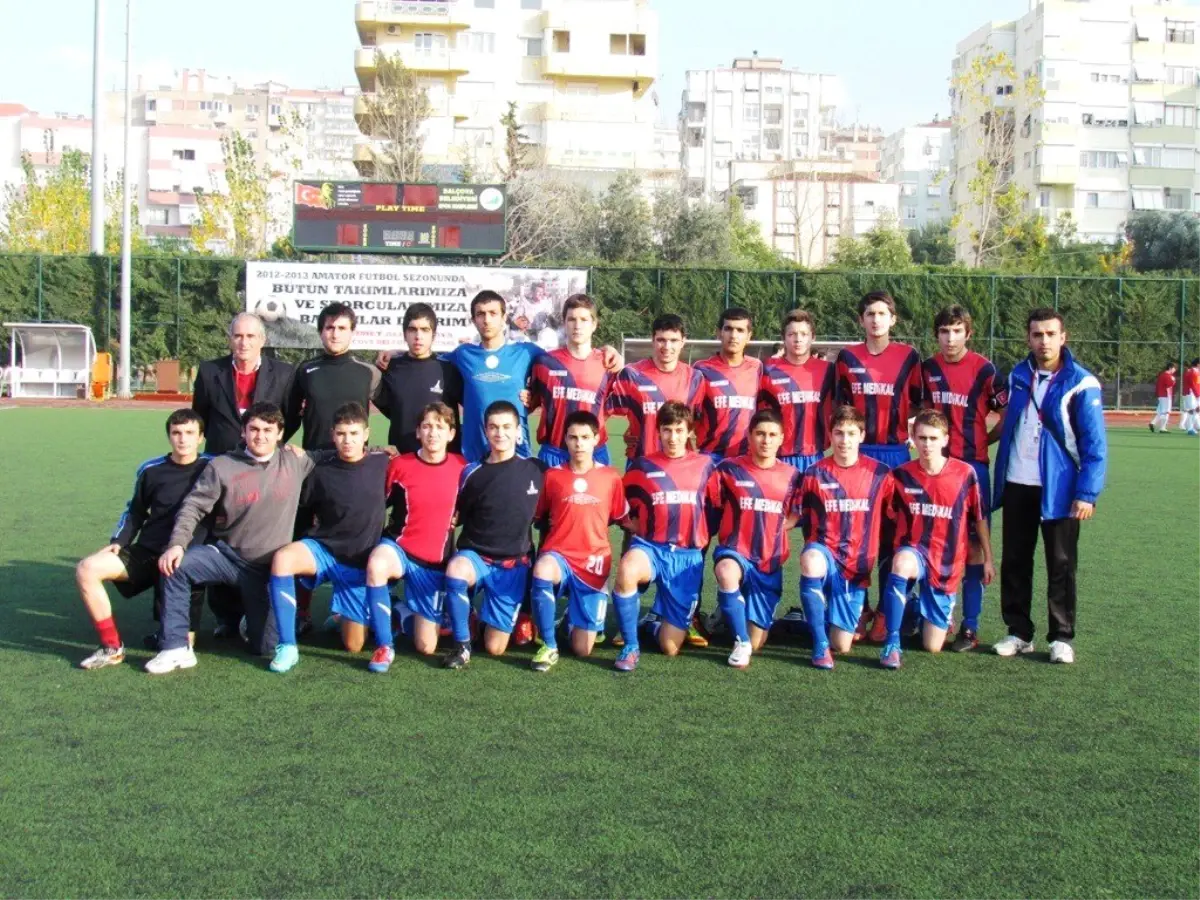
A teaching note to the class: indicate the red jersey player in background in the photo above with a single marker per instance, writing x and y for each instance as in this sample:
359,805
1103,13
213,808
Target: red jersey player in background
579,500
422,488
1164,389
757,499
730,389
800,387
966,388
570,379
842,500
936,501
882,380
668,518
1189,401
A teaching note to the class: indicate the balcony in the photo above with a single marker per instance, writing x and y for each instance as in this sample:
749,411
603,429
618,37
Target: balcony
443,62
601,67
393,16
588,109
1056,174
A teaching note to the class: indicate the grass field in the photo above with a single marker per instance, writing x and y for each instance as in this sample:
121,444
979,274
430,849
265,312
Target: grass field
961,775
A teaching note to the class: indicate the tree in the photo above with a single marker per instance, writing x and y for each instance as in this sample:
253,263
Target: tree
990,206
1163,241
746,245
882,249
519,156
52,213
395,116
549,219
625,226
236,218
688,233
932,244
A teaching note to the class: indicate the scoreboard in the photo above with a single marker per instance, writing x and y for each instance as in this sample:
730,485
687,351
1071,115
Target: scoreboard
387,217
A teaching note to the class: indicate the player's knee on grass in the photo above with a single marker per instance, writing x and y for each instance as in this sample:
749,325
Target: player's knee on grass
383,566
670,639
293,559
424,636
494,642
758,637
906,565
633,571
728,574
813,565
840,641
933,638
354,635
582,642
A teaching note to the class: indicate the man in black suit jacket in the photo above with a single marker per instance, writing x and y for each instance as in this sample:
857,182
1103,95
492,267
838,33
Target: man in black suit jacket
226,387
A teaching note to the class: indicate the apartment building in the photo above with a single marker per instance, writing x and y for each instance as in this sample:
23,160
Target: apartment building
756,110
861,145
918,159
1115,128
580,71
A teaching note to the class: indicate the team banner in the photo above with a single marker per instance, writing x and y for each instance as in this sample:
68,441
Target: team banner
289,296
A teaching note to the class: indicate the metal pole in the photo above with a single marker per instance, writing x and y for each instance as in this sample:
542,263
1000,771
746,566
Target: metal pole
992,322
1120,322
97,166
178,301
40,291
123,388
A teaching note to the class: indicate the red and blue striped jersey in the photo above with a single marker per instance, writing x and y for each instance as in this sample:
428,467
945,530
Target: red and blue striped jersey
638,393
754,505
933,513
885,388
561,384
727,403
579,509
842,508
803,396
965,392
667,498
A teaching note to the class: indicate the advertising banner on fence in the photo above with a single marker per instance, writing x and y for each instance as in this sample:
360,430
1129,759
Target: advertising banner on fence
289,296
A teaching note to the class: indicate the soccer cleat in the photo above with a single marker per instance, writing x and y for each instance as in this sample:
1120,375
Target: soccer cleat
244,630
1061,652
1012,645
105,656
889,657
331,625
879,630
864,623
618,640
966,640
627,659
304,623
740,657
1151,427
225,630
601,637
170,660
714,623
459,658
544,659
909,629
522,633
694,637
381,660
824,661
286,657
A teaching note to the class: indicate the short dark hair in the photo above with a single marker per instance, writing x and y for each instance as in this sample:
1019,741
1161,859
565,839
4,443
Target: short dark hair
848,414
184,416
766,414
487,296
335,311
932,418
668,322
579,301
351,413
735,314
1194,362
1170,365
800,315
876,297
673,412
441,410
264,412
420,311
954,314
500,407
1044,314
582,417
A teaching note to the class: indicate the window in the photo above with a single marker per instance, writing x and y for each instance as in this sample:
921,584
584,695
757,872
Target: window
252,109
1092,200
833,229
785,199
1043,200
1175,198
562,42
774,92
1164,157
151,105
426,42
184,154
477,42
1147,198
908,190
1177,114
1027,159
933,190
156,215
276,109
1184,75
772,115
786,228
910,213
1103,159
485,4
531,4
773,139
533,46
251,134
750,146
695,112
750,112
1147,113
627,44
1180,31
799,139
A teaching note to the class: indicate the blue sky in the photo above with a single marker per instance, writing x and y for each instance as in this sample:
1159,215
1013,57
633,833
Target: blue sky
893,55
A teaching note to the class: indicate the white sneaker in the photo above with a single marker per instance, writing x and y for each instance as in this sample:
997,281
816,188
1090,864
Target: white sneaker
1061,652
1012,645
740,657
170,660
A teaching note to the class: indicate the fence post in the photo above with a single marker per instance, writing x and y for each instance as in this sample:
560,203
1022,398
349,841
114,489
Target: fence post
39,286
727,289
108,304
992,320
793,288
658,285
1120,323
1182,322
178,300
1056,293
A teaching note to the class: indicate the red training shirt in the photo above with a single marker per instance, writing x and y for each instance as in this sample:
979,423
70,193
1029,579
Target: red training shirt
1164,385
1191,381
579,509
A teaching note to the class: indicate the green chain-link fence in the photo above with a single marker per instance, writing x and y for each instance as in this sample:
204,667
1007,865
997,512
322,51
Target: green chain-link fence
1124,329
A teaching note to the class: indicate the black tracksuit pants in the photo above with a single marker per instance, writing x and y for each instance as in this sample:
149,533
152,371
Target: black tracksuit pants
1060,538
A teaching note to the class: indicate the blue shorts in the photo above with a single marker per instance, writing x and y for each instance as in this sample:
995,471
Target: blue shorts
678,575
762,591
803,463
984,474
504,587
349,583
587,606
891,455
424,587
843,599
553,456
936,606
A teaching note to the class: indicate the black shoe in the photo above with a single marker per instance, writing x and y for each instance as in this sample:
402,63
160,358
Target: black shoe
151,641
966,640
459,658
304,625
225,630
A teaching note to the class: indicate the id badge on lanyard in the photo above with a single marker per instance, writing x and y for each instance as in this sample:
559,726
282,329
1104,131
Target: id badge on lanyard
1031,438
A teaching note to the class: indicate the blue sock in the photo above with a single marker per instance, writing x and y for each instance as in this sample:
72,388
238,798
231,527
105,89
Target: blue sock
895,594
460,609
379,602
281,589
734,608
973,596
627,608
812,598
544,607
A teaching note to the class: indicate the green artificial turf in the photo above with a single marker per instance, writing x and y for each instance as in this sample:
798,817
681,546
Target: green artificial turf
960,775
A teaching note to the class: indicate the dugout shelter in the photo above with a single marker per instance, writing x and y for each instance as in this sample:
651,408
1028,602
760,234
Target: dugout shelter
50,359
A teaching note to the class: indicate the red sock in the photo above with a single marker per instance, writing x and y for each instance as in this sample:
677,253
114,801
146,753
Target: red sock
108,633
